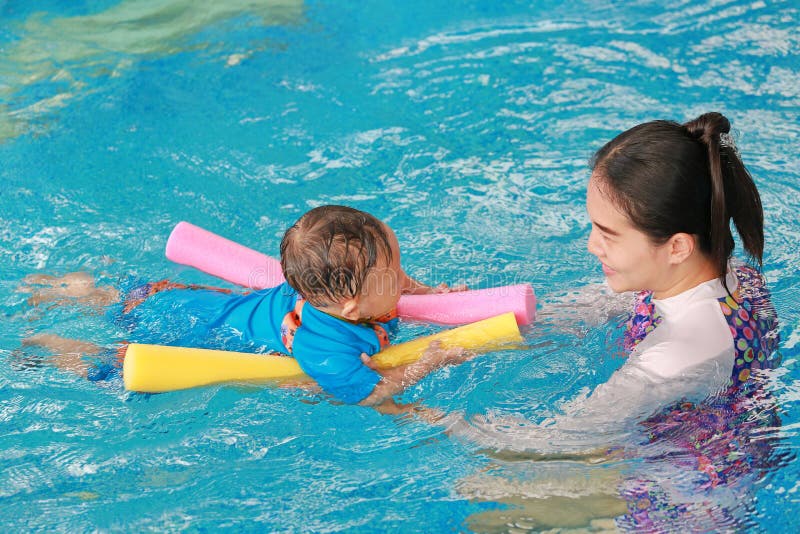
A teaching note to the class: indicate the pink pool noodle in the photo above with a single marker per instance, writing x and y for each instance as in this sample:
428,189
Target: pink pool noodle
461,307
191,245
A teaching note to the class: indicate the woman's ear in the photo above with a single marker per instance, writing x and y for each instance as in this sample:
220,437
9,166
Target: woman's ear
681,246
350,309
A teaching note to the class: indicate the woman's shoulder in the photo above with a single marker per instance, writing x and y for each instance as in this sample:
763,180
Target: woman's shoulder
701,325
694,336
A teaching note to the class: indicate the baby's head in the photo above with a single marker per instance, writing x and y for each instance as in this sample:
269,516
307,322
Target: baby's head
344,261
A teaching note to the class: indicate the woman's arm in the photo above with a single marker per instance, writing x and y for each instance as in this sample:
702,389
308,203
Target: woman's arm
591,305
610,414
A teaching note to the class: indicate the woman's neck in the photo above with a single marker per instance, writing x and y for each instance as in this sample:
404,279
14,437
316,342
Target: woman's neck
696,270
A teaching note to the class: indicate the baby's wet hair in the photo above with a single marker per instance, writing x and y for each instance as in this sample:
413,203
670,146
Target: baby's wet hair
328,253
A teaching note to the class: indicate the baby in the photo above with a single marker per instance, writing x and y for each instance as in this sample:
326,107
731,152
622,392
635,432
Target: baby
335,310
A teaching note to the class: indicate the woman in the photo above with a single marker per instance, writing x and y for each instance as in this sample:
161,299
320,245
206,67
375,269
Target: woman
661,198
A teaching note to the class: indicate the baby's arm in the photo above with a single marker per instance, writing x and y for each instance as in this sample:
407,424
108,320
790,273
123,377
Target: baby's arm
396,379
409,286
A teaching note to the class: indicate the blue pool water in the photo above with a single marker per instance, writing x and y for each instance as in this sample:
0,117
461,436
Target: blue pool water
467,125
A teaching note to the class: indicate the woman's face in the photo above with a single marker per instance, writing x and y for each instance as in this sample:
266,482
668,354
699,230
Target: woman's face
631,262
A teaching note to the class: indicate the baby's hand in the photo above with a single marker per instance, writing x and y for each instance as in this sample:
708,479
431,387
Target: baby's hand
367,360
409,286
444,288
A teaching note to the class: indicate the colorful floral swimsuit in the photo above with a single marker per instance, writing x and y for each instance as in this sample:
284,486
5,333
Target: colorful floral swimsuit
720,437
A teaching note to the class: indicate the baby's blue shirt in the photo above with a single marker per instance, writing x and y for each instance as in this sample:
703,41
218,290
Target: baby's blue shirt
327,348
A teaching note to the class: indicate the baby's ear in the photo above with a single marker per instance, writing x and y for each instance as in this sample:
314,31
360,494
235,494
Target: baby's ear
350,309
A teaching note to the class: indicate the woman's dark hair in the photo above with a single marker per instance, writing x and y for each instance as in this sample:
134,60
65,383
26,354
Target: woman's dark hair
327,254
671,178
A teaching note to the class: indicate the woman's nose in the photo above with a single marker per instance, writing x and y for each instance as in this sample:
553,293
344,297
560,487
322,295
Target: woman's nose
593,244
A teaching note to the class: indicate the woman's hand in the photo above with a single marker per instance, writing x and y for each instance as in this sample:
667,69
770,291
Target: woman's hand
396,379
439,356
434,357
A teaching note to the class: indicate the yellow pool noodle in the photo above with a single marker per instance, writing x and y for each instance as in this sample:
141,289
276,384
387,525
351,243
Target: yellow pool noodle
158,368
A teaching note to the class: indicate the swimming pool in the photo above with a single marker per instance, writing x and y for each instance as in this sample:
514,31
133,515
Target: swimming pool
466,125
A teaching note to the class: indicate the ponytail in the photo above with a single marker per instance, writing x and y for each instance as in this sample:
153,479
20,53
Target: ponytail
670,178
733,192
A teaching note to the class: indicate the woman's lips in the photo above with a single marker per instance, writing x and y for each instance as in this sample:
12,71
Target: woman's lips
608,271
